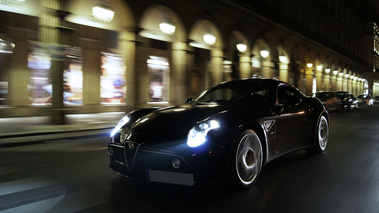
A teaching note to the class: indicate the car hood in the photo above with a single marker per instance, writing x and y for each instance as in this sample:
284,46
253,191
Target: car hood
173,123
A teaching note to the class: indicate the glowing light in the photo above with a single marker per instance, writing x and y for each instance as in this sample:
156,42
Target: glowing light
241,47
209,39
120,124
327,70
319,67
283,58
309,65
335,72
102,13
167,28
264,53
197,135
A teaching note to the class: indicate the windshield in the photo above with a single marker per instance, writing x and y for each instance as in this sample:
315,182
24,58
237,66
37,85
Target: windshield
235,93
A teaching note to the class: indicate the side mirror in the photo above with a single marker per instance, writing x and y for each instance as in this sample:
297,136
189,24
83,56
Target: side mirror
188,100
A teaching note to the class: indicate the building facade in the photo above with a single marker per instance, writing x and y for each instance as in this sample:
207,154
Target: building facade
61,57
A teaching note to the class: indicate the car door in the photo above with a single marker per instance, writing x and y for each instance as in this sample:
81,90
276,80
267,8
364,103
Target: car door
293,122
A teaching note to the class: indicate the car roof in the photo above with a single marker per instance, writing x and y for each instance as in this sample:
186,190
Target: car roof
270,82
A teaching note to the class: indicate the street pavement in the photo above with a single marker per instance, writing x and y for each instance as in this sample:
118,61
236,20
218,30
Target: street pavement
17,131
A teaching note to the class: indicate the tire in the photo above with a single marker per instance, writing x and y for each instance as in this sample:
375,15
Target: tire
247,159
322,134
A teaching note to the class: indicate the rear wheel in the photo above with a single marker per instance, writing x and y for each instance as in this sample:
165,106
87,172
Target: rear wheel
247,159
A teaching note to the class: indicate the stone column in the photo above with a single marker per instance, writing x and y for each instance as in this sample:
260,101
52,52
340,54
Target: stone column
91,71
245,65
283,72
179,85
127,46
327,85
19,72
318,76
349,86
55,31
344,83
267,70
216,63
339,82
308,80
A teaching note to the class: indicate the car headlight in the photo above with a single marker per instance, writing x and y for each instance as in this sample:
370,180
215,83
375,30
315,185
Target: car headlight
120,124
197,135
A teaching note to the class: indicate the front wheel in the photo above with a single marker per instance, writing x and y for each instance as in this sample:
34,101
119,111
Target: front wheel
248,158
322,134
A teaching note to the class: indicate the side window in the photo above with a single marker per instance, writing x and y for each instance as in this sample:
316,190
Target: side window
223,94
286,91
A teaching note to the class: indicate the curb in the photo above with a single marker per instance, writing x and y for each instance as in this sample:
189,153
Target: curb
35,137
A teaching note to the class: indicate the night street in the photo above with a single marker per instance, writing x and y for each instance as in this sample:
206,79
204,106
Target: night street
72,175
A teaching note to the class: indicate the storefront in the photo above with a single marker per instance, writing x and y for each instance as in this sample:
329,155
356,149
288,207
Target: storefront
89,56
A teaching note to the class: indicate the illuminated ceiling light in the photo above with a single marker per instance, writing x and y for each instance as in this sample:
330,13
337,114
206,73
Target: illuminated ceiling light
340,74
351,77
241,47
327,70
335,72
103,13
283,58
319,67
347,75
265,53
209,39
167,27
309,65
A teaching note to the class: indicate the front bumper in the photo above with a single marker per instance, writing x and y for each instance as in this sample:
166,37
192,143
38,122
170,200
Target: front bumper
175,165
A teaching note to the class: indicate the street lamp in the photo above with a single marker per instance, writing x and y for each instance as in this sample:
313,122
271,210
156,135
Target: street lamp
309,65
327,70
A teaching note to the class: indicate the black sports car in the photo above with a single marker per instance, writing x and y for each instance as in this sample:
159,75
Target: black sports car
225,135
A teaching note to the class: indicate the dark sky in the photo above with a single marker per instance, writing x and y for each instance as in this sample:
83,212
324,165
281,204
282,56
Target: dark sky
375,9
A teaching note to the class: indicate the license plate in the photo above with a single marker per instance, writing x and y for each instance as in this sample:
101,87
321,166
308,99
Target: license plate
170,177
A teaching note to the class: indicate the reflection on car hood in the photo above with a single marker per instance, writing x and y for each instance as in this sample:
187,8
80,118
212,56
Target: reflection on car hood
173,123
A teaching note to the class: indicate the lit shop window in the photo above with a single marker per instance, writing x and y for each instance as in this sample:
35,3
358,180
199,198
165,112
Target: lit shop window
40,90
113,79
158,68
73,83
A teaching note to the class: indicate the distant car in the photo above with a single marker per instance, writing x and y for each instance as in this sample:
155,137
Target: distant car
348,101
330,100
226,135
353,102
365,100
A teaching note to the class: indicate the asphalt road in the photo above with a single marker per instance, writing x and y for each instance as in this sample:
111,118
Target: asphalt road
72,175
